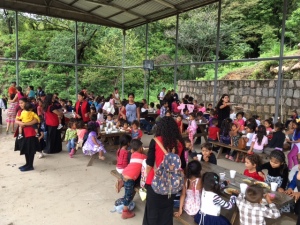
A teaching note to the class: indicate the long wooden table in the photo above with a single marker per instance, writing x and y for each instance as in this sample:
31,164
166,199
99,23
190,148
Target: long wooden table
281,199
202,127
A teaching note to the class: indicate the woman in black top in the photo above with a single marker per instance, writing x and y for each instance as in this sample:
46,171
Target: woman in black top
223,108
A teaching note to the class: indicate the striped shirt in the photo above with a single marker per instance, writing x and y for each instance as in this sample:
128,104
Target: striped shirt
254,213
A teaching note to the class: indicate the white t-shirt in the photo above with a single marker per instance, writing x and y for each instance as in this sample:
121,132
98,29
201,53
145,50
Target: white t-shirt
162,95
249,136
263,142
232,116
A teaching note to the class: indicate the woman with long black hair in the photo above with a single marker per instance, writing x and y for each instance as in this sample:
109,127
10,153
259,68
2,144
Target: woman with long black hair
223,109
29,144
52,112
159,208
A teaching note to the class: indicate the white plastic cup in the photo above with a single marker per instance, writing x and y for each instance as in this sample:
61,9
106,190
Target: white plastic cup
268,132
243,188
200,121
105,129
101,127
222,176
232,174
274,186
199,156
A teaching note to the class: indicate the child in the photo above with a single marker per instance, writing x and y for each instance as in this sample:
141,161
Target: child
41,130
189,152
26,116
201,118
201,108
100,116
185,114
249,135
277,170
179,123
212,115
295,183
292,156
92,144
257,119
235,136
232,114
209,108
277,140
70,137
168,113
211,202
122,153
207,154
251,163
109,121
136,133
269,128
214,131
239,121
126,126
259,140
191,191
252,212
224,134
81,131
158,109
192,128
130,175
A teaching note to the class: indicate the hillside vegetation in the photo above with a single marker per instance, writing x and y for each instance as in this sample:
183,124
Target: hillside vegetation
244,34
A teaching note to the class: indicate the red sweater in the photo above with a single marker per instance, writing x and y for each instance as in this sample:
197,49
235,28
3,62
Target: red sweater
253,175
133,170
122,158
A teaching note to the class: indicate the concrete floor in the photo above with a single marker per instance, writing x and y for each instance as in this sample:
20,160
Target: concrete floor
64,191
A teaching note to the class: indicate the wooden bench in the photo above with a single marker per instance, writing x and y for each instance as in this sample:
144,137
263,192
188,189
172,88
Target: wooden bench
118,176
263,156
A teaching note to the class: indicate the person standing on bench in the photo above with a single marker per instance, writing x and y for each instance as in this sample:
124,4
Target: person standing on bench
223,108
131,173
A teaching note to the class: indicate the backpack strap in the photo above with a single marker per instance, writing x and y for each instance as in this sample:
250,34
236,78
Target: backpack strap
160,145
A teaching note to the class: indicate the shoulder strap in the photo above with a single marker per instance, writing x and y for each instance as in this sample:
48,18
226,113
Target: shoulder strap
160,145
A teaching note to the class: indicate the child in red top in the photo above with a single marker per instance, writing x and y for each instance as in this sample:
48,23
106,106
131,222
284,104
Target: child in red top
179,123
251,162
122,153
214,131
130,175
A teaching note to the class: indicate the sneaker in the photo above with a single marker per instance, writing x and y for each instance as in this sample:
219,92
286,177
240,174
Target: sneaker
119,185
231,158
27,168
72,153
126,214
20,136
59,127
41,155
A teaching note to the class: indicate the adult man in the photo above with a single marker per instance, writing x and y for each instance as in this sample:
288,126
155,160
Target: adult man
161,96
12,89
174,95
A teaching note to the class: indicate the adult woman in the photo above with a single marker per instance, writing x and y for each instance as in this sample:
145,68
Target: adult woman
52,112
159,208
11,114
132,109
18,96
223,108
29,144
82,108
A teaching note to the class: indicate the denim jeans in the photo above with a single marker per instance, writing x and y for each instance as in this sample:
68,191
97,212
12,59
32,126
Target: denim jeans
71,144
146,125
129,189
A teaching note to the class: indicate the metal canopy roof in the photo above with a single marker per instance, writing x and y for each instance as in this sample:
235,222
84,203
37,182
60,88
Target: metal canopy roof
124,14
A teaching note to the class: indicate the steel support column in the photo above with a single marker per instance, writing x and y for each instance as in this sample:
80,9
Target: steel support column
280,72
176,53
123,62
146,57
217,52
76,58
17,47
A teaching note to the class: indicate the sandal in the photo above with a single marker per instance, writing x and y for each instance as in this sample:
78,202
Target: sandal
119,185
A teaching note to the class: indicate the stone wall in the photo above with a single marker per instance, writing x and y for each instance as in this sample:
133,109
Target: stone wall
255,96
